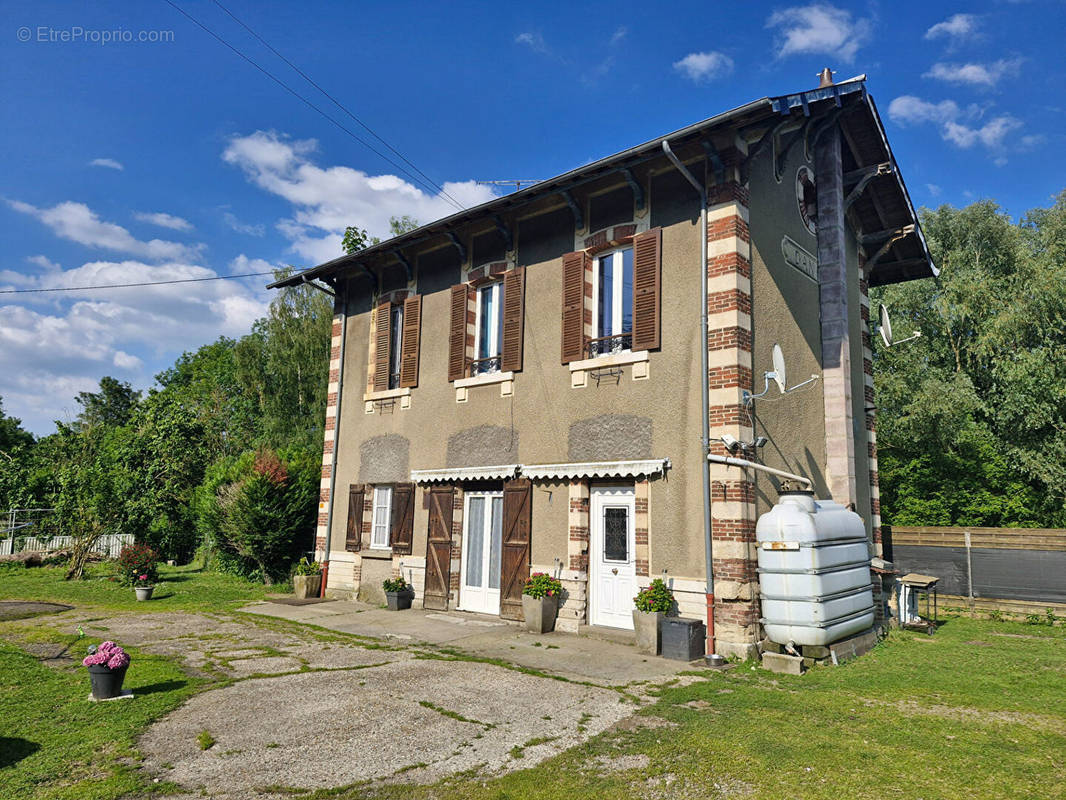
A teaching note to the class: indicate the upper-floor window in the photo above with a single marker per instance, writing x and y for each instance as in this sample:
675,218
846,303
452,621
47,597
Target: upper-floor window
395,344
612,289
379,529
488,341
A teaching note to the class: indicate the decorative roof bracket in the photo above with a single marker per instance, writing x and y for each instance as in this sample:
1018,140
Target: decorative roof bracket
406,264
716,160
458,245
505,232
780,158
634,184
579,220
865,176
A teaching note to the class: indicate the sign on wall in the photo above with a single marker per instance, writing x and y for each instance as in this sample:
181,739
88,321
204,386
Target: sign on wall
799,258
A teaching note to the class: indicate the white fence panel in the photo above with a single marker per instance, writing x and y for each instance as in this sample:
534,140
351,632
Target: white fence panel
110,545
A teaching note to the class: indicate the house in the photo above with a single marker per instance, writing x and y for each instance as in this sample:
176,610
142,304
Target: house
553,380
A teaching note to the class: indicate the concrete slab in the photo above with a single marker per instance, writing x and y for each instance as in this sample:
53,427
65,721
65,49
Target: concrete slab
783,663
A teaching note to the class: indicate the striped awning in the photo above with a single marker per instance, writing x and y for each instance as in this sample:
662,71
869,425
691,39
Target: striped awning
596,469
459,474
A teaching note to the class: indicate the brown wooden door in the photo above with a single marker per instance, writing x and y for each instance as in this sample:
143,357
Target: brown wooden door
438,549
517,524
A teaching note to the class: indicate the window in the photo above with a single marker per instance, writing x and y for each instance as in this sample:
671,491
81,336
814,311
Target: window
613,310
489,339
395,344
379,530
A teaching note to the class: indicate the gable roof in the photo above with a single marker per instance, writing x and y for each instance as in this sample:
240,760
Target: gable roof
882,204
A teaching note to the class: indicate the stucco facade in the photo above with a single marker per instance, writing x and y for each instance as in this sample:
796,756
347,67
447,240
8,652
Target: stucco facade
629,419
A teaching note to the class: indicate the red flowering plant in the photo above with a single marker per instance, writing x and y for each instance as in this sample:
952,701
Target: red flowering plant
107,654
655,598
138,565
541,584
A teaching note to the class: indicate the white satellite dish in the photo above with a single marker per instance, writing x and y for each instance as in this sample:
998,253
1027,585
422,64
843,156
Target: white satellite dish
886,329
779,375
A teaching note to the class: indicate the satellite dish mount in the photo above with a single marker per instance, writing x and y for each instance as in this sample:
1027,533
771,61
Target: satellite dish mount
886,329
778,375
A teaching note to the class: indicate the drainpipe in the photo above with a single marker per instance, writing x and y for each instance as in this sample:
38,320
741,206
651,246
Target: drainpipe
744,464
705,426
336,434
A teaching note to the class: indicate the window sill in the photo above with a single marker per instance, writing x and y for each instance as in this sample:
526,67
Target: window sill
376,552
372,398
579,370
504,379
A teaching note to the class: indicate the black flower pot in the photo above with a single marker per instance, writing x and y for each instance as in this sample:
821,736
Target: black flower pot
106,682
400,601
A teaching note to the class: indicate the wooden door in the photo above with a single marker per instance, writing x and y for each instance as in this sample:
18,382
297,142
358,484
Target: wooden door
517,524
438,549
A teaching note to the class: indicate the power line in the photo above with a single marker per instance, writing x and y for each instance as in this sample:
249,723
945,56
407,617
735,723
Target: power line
304,100
336,102
129,285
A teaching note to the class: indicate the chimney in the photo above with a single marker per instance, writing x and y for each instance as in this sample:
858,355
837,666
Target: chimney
825,78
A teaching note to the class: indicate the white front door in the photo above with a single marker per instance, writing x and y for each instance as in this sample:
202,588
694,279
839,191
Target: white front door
612,564
482,538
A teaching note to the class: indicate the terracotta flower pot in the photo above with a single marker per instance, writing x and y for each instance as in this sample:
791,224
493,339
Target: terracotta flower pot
307,585
646,626
106,682
539,613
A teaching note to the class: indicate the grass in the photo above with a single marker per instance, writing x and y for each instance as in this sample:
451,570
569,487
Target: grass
187,588
205,740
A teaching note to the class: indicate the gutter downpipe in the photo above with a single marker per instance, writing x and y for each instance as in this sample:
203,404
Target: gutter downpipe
705,426
744,464
336,435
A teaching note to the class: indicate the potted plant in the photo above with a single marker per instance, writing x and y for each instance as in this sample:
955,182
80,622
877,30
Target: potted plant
652,604
540,602
398,593
138,566
307,580
107,665
143,587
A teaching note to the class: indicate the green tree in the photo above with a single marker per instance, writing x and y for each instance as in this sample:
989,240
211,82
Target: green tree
112,405
356,238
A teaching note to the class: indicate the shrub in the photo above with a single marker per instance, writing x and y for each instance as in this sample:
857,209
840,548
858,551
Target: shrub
305,567
655,598
395,584
541,584
136,561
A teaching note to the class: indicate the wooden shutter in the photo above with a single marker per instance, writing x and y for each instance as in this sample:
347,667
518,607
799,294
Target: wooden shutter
514,298
382,332
353,540
439,549
647,269
403,518
412,330
457,334
574,265
517,523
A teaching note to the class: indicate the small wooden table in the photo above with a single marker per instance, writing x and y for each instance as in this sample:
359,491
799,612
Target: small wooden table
920,584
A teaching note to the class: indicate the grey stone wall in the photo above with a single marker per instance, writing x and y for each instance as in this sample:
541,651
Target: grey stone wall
385,459
485,445
611,437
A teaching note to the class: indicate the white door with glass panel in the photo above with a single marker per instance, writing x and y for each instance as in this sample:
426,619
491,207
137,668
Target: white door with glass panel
612,564
482,540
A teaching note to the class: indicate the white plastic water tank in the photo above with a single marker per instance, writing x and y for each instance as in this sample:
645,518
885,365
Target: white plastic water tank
814,571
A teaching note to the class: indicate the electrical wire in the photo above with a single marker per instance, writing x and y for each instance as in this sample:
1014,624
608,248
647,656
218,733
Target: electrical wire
141,283
338,104
307,102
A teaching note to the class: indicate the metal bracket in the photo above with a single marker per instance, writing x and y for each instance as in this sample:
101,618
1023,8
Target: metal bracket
381,405
508,239
716,160
900,234
406,264
607,372
781,157
371,275
458,246
579,220
892,233
638,190
865,176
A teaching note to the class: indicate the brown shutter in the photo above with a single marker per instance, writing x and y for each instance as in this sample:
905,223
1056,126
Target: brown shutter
574,306
353,540
517,523
457,334
381,346
439,549
647,268
514,298
403,518
412,329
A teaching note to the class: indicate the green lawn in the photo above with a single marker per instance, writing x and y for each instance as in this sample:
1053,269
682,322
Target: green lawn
188,588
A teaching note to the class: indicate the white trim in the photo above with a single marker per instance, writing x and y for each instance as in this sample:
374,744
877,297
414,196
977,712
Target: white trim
376,520
496,302
386,394
480,599
596,469
481,380
610,360
458,474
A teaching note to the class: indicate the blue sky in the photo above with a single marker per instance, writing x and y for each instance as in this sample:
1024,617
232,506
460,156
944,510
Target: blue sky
172,157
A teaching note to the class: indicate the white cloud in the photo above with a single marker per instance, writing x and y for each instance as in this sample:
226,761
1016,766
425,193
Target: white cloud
78,223
956,27
704,67
533,40
619,34
109,163
820,29
326,200
124,360
980,75
164,220
44,263
243,227
933,189
957,126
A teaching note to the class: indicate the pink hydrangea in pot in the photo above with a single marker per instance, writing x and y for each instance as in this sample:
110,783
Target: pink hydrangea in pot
107,663
143,587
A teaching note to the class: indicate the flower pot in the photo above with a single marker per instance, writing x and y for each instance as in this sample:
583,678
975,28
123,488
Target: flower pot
646,625
539,613
143,593
307,585
106,682
400,601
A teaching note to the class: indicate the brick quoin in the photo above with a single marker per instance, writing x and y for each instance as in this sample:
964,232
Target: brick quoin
875,506
640,535
579,563
727,264
735,530
334,352
739,491
727,377
642,567
624,232
320,543
729,300
327,447
727,415
323,496
868,366
864,312
868,394
873,478
729,338
331,423
331,400
728,192
869,422
336,329
326,470
334,375
596,240
736,612
323,519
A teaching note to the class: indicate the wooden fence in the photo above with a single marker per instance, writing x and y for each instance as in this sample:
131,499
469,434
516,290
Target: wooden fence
109,546
1012,568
